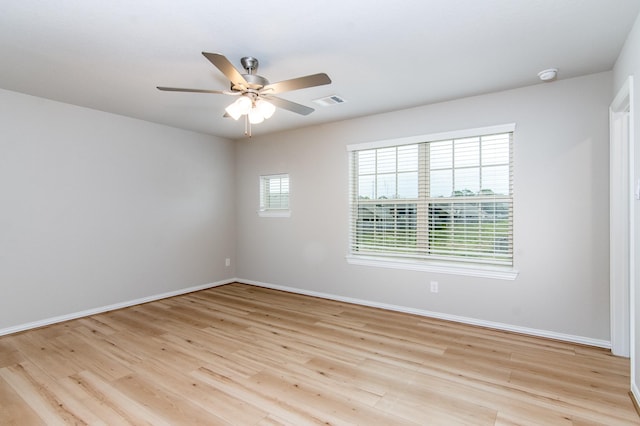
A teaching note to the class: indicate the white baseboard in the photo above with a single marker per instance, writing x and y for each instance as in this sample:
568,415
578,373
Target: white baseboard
635,394
99,310
455,318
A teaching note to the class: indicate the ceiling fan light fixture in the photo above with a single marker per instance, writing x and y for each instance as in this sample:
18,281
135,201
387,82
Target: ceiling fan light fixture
255,116
240,107
266,108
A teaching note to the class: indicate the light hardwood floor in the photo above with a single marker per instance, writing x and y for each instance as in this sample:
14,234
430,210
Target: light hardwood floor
245,355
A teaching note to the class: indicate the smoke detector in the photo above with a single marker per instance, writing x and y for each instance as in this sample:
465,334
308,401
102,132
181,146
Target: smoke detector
548,74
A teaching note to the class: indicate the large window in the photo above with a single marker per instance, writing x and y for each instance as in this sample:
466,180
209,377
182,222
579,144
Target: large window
446,199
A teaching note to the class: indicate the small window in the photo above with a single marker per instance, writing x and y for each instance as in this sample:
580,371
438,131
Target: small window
274,195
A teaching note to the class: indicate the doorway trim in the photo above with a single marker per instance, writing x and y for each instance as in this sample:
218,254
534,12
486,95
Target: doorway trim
621,266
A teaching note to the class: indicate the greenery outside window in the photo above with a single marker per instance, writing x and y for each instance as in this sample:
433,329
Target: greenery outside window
444,198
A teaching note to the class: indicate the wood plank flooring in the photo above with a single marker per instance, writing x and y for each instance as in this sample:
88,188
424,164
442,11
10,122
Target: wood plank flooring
244,355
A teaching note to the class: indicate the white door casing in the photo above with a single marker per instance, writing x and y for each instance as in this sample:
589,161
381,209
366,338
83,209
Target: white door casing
621,205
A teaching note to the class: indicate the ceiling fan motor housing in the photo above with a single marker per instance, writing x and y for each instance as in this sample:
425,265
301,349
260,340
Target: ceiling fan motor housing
255,81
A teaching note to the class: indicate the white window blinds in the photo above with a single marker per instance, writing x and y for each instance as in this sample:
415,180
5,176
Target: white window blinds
446,199
274,193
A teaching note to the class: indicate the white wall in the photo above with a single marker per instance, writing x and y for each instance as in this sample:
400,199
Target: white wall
98,209
628,64
561,210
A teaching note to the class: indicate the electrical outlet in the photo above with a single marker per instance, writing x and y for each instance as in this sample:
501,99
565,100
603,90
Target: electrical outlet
434,286
227,262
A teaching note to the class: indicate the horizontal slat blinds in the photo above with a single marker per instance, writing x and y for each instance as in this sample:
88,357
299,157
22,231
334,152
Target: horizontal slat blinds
448,200
274,192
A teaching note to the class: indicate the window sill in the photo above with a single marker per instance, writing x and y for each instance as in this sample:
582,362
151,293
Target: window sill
274,213
466,269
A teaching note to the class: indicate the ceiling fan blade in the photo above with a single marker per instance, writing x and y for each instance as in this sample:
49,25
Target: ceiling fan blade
227,68
296,83
178,89
290,106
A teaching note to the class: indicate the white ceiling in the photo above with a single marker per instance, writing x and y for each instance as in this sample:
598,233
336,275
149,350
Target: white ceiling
382,55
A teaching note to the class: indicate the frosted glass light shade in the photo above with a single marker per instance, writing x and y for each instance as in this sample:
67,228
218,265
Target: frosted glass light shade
240,107
266,108
255,116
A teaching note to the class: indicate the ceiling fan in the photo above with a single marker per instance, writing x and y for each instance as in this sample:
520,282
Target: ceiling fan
256,100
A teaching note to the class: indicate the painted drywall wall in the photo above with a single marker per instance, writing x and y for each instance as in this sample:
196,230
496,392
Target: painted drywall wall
628,64
561,210
98,209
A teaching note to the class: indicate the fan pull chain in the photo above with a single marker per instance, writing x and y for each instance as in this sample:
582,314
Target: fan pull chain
247,126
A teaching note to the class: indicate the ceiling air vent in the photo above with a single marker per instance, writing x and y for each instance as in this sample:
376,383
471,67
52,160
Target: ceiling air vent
329,100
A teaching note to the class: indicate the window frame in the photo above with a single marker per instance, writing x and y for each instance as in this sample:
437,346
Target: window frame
448,266
268,210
